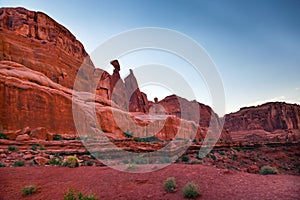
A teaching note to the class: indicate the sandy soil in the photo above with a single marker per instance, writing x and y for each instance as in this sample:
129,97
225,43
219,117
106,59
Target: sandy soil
107,183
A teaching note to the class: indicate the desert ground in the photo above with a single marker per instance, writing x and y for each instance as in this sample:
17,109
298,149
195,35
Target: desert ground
106,183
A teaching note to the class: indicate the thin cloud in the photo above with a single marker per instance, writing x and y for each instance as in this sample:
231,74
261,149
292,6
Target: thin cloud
275,99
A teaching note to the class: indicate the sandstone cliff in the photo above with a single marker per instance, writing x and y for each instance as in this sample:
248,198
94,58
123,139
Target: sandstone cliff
280,121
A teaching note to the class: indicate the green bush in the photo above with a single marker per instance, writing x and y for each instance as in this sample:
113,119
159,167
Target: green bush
13,148
2,165
264,170
71,161
3,136
213,156
57,137
55,161
191,190
185,158
19,163
28,190
42,147
170,184
71,196
89,163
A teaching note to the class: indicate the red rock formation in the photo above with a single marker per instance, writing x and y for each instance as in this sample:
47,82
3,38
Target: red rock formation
256,122
138,101
194,111
39,62
41,44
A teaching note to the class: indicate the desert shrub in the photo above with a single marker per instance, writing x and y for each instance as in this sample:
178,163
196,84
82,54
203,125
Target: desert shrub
28,190
34,147
55,161
170,184
3,136
89,163
72,196
222,153
237,149
234,157
71,161
2,165
19,163
13,148
231,167
191,190
196,162
42,147
213,156
57,137
264,170
185,158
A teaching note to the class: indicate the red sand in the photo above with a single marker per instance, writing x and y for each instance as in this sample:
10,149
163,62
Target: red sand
106,183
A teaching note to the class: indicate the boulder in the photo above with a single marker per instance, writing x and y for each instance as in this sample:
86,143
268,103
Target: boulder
41,160
23,137
28,156
41,133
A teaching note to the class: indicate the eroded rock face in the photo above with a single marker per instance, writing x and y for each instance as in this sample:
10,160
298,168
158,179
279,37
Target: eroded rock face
41,44
30,99
257,123
197,112
268,117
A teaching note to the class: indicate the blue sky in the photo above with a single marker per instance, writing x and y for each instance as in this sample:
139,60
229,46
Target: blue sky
254,44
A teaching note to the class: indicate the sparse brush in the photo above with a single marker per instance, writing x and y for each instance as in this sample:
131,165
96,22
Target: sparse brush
42,147
34,147
80,196
71,161
28,190
3,136
55,161
19,163
13,148
191,190
185,158
2,165
268,170
170,184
